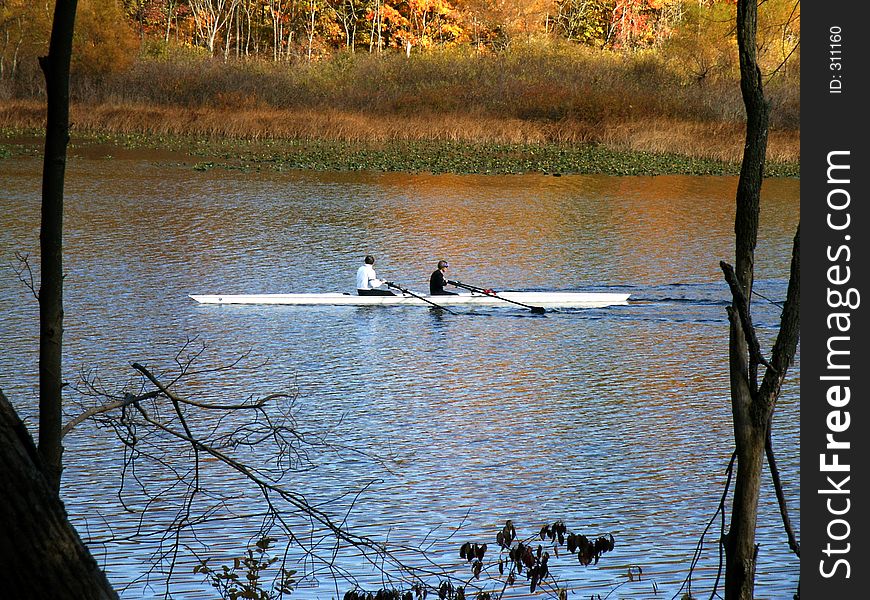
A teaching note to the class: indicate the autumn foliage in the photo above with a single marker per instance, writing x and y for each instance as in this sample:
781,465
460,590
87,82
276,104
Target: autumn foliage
293,29
627,73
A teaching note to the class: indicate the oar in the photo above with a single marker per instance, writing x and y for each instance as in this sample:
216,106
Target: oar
410,293
538,310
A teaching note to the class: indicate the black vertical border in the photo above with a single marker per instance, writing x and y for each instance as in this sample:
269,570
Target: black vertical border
834,113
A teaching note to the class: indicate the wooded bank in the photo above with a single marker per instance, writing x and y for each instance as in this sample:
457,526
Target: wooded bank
646,76
550,98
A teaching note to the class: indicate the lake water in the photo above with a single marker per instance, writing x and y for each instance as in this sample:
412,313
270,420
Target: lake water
615,420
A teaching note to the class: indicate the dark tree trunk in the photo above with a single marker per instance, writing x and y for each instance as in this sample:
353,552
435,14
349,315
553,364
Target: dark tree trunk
750,429
752,404
41,553
752,168
56,68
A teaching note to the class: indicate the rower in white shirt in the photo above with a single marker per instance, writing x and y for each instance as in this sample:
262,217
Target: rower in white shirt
367,280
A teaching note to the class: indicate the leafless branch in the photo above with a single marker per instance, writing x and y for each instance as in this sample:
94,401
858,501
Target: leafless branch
168,440
25,274
104,408
741,303
780,497
720,512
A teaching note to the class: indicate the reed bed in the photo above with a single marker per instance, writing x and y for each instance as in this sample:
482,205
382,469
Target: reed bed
554,94
710,140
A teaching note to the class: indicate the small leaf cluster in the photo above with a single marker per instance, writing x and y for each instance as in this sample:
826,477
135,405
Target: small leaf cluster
445,591
383,594
243,580
474,554
588,551
515,558
518,558
521,556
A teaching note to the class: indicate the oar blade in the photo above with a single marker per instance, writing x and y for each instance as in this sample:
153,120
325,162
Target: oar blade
537,310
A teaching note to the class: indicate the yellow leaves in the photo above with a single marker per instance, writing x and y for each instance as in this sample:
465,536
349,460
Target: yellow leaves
423,23
453,30
103,41
390,14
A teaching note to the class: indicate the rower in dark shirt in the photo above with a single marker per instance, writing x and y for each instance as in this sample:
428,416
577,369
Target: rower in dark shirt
437,281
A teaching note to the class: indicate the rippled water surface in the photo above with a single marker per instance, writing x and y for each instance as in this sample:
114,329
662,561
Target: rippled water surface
616,420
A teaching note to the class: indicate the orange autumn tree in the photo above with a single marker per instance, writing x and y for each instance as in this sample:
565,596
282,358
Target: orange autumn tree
639,23
497,23
432,21
417,23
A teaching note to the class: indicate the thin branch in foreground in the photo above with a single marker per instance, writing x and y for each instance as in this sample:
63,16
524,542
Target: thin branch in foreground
780,497
24,273
168,438
191,464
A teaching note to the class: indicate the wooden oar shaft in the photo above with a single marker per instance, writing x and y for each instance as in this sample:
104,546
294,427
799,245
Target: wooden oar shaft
534,309
410,293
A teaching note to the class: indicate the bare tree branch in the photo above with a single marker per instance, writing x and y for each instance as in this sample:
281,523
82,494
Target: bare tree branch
25,274
261,445
780,497
741,303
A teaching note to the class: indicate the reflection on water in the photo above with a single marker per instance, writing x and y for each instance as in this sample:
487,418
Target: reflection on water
615,420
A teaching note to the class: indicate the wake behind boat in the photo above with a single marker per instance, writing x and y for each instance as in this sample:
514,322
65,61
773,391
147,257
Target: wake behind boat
547,299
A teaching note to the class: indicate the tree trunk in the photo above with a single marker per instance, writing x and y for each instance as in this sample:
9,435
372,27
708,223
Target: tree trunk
752,405
55,66
752,167
41,553
750,434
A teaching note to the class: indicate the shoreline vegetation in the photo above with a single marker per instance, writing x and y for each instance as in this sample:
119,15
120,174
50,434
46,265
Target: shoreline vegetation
221,141
540,103
309,138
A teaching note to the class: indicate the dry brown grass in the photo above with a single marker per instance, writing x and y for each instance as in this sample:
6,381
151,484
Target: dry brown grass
551,94
716,140
720,141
